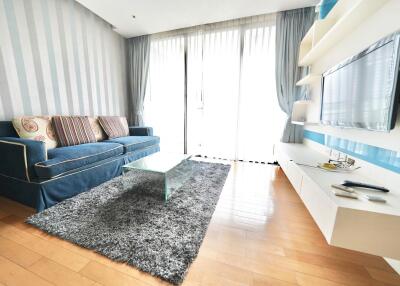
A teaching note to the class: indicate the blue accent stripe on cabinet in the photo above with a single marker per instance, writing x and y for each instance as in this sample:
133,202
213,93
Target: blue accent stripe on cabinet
315,136
378,156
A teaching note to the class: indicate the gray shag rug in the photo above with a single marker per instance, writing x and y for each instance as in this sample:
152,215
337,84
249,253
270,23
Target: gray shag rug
131,226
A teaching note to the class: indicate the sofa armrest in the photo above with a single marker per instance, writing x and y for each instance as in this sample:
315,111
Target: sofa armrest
19,156
140,131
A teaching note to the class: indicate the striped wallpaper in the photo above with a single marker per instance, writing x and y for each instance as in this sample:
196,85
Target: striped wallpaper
57,57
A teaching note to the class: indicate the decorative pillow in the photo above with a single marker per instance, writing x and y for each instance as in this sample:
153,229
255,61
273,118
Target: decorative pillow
73,130
37,128
114,126
96,127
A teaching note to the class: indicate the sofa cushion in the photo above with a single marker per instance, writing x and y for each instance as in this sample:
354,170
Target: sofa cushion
73,130
114,126
64,159
132,143
37,128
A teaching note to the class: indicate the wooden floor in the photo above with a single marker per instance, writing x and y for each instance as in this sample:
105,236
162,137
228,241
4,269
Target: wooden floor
260,234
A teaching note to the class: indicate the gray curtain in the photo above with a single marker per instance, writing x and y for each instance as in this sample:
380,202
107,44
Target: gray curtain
138,69
291,27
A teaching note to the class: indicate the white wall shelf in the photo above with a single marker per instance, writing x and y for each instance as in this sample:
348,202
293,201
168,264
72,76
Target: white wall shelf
304,122
341,20
298,122
308,79
299,112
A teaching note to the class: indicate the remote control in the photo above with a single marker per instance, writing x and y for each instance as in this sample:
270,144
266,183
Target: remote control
362,185
375,199
345,194
343,188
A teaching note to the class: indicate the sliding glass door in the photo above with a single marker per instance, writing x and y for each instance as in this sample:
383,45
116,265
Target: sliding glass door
223,76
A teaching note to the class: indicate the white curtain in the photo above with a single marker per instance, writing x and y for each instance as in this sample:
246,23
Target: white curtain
232,108
260,118
163,105
213,91
233,112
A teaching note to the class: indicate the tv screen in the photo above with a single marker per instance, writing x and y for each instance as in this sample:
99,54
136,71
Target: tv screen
363,91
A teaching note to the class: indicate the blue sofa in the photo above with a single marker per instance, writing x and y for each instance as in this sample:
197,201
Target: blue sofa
40,179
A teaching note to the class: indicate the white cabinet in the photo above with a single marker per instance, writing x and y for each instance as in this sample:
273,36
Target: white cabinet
291,170
321,208
354,224
294,175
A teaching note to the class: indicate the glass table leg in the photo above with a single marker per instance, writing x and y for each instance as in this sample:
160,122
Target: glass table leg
161,185
175,178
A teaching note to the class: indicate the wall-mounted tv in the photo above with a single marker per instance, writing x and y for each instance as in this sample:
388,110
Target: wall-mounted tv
363,91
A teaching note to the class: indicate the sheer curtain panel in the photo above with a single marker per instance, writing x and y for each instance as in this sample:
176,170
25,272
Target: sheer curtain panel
213,91
164,101
233,112
260,119
223,76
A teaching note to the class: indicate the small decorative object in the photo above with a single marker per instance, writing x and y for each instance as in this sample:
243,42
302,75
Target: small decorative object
328,166
337,168
344,165
324,7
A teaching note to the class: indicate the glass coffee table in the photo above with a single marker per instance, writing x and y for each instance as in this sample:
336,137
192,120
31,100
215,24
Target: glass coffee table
161,173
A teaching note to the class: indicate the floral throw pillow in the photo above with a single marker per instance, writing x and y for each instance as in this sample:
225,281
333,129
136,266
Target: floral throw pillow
37,128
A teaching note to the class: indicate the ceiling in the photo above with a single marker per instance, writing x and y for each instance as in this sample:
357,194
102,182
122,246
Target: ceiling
153,16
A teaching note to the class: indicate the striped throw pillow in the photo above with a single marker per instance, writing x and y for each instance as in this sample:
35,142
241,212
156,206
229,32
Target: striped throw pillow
96,127
114,126
73,130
